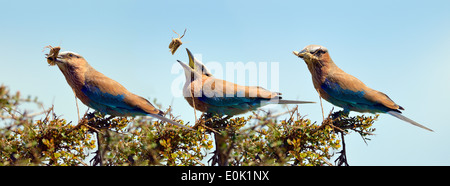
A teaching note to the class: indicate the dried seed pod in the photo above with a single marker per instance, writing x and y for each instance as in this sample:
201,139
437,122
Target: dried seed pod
173,46
52,55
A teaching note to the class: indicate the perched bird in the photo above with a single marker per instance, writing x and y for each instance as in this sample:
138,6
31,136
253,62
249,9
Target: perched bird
344,90
208,94
100,92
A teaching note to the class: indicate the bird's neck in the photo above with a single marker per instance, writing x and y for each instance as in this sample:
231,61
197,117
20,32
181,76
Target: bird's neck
73,75
320,70
194,85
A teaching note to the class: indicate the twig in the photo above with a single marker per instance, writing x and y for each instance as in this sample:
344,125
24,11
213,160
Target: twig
326,161
98,158
91,127
321,106
193,102
291,118
81,161
342,159
78,110
221,152
196,160
209,128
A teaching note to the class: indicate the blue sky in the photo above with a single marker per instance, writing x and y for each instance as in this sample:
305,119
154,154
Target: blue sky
398,47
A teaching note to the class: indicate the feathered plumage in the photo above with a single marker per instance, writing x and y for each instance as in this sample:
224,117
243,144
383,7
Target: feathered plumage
344,90
102,93
208,94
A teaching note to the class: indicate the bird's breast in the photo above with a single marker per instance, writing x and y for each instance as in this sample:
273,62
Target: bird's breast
197,104
75,79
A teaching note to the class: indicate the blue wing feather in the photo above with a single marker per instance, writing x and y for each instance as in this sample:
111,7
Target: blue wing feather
336,91
99,97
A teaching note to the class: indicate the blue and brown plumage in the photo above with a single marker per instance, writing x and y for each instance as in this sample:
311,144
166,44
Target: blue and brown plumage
102,93
208,94
344,90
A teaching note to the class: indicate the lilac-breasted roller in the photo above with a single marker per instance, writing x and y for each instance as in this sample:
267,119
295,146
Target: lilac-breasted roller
208,94
344,90
101,93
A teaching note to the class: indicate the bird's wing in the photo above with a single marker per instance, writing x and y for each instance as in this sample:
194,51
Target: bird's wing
382,98
223,93
101,89
348,88
142,103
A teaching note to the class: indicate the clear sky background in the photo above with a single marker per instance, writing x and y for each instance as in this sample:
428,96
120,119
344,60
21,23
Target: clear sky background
401,48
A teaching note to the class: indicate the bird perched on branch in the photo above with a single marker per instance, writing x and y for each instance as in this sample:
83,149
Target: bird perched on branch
100,92
344,90
208,94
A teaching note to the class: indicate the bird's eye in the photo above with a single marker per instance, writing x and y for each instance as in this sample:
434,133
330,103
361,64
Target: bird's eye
70,55
317,52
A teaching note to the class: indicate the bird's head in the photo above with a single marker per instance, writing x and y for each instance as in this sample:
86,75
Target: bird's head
195,69
313,54
197,65
68,58
190,70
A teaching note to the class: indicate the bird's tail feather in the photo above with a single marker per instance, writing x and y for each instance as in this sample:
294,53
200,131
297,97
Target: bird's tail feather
162,118
282,101
404,118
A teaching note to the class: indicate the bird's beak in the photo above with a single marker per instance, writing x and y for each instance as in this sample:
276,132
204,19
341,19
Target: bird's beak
188,72
191,59
185,67
300,54
60,59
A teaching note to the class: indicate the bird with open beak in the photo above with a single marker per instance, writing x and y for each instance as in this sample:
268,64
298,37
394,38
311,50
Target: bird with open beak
208,94
100,92
344,90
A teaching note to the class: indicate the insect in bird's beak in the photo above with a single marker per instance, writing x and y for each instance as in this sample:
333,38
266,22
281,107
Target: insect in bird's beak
52,55
300,54
176,43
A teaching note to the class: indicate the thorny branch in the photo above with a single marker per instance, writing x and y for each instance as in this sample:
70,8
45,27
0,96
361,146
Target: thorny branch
263,138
